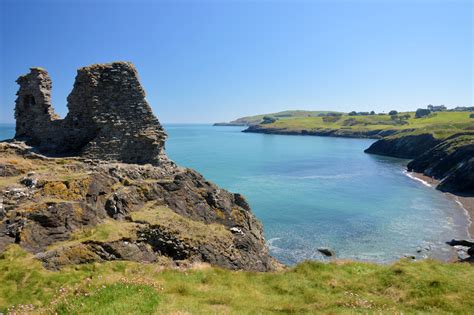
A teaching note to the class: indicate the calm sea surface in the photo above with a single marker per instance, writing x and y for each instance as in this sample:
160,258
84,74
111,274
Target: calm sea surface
312,192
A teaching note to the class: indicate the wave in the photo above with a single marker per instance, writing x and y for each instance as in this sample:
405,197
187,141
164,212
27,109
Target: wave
469,219
409,174
272,247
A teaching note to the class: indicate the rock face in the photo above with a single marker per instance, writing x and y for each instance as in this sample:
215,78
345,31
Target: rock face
465,249
109,117
452,162
97,185
449,160
69,211
406,147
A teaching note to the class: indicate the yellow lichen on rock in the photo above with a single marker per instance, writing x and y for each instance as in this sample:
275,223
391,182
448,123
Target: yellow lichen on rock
67,190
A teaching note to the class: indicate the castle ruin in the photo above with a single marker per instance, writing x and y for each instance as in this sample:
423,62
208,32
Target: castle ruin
109,117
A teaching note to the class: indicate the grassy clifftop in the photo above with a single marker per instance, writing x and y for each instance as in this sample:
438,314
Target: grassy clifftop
439,124
340,287
256,119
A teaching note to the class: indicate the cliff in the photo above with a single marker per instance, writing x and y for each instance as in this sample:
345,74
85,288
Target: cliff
452,162
405,147
113,194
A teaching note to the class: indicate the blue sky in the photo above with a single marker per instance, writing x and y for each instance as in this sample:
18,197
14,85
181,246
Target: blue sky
207,61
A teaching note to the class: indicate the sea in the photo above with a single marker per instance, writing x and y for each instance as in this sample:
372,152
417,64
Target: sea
311,192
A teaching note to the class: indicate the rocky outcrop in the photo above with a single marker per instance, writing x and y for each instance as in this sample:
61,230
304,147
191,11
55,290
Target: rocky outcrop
465,249
406,147
97,185
79,210
109,117
451,162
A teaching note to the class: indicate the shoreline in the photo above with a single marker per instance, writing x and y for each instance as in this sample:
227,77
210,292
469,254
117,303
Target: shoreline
338,133
466,203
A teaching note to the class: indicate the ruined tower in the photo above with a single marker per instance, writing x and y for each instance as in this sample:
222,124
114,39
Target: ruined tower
109,117
33,111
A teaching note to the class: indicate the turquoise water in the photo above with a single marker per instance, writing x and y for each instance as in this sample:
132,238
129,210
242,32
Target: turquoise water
7,131
311,192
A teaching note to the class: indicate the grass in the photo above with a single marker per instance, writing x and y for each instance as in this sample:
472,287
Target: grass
108,231
52,170
440,124
280,115
310,287
194,232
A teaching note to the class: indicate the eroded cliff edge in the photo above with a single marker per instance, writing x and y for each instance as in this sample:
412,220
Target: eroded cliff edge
449,160
113,194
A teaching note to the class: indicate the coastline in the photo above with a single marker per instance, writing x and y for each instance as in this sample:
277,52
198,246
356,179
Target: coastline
341,133
410,148
466,203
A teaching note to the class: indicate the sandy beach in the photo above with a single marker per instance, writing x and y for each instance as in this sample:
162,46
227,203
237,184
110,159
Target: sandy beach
467,203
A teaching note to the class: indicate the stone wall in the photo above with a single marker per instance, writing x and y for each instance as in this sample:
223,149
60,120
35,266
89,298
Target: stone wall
109,117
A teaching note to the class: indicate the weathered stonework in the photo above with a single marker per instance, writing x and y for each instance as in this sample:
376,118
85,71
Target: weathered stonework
109,117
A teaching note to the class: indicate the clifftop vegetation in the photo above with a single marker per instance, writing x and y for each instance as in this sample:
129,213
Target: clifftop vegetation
128,287
439,124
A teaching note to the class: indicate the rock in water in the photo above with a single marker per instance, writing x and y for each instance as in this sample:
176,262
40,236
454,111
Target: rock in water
327,251
113,175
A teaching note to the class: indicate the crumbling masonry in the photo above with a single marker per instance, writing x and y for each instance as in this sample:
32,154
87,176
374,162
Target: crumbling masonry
109,117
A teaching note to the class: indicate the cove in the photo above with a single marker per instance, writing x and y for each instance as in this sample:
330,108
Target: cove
312,192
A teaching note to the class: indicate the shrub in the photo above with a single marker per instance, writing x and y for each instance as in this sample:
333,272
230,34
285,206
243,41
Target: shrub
268,120
331,119
393,112
421,112
350,122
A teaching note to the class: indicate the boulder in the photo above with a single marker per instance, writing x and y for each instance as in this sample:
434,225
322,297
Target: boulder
327,251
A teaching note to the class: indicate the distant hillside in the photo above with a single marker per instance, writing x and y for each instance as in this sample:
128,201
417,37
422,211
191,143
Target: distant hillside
365,125
255,120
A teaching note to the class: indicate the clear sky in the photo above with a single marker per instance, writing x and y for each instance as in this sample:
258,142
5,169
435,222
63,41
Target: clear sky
208,61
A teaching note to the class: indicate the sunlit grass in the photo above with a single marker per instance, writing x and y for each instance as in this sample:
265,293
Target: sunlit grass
340,287
441,124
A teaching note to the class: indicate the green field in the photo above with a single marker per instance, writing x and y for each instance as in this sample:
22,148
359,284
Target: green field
440,124
252,120
131,288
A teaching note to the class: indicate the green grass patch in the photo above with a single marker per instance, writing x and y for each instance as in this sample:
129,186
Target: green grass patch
108,231
310,287
440,124
287,114
118,298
